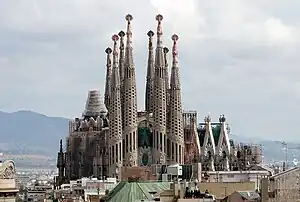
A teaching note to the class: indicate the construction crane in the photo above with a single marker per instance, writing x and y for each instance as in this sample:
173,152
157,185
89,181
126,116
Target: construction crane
286,148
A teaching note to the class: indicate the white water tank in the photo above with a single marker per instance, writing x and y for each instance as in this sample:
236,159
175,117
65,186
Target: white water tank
175,170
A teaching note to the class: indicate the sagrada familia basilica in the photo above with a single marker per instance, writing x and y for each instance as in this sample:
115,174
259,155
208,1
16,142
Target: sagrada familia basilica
112,133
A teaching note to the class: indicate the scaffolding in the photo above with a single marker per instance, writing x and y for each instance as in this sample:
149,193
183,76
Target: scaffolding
247,155
192,150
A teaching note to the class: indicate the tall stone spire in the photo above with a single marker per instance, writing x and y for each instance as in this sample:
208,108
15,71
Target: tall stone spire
61,164
150,75
122,56
115,129
166,51
108,77
160,108
121,69
60,146
175,109
129,102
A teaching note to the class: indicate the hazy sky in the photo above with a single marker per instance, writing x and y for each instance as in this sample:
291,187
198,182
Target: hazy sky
237,57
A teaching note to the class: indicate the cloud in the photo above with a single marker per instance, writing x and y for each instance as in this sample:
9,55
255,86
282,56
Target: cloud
237,57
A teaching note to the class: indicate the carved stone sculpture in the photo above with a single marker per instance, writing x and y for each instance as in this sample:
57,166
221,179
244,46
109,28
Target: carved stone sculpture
7,170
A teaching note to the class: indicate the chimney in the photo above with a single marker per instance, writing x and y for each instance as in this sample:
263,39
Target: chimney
176,189
264,190
182,189
184,184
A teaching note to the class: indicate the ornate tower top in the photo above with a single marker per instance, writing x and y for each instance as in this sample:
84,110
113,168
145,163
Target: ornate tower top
174,49
222,118
149,99
128,51
159,19
115,72
207,119
108,50
121,58
175,80
115,38
60,146
150,35
129,18
121,34
166,50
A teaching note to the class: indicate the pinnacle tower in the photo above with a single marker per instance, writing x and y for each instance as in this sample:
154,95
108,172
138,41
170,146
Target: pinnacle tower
160,108
150,75
166,51
121,69
108,52
122,56
176,132
115,129
129,102
61,163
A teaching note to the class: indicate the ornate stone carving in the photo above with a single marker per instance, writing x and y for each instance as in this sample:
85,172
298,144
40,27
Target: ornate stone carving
145,156
131,158
162,158
7,170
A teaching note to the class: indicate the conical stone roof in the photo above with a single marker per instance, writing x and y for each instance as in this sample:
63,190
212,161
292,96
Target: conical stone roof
94,105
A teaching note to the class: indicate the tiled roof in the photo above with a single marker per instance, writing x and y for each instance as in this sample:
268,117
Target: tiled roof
249,195
133,191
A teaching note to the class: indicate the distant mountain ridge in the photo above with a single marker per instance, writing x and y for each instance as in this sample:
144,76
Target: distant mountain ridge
28,132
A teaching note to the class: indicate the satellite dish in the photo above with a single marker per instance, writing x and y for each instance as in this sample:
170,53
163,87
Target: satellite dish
295,162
